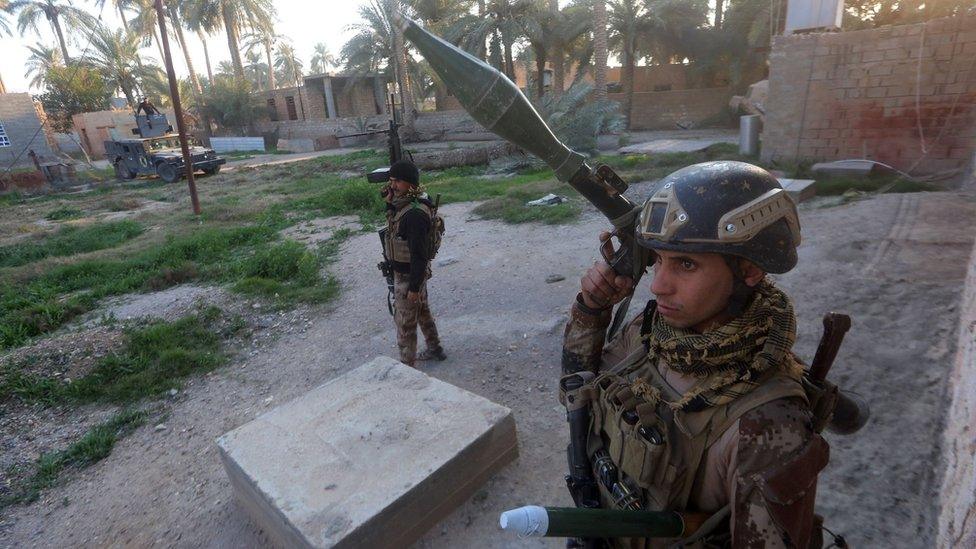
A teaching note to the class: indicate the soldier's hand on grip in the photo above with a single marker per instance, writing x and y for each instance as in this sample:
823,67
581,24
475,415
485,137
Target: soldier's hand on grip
601,287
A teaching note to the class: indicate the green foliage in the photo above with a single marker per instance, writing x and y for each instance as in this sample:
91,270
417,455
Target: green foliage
63,213
578,122
70,240
153,359
96,444
232,104
511,208
73,89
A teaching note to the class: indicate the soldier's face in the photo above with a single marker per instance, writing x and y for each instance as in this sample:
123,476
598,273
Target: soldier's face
692,290
399,186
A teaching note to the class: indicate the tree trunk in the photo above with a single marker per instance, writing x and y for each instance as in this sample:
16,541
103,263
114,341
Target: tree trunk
403,81
600,49
125,24
64,47
628,82
540,71
558,58
159,45
3,88
509,58
718,13
230,28
271,74
175,21
206,57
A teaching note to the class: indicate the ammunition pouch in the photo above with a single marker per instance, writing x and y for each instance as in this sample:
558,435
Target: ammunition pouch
635,435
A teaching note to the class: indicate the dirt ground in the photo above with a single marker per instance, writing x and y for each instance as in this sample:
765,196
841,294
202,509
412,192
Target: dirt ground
896,263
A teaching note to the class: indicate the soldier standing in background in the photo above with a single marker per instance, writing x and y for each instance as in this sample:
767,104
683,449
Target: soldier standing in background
410,245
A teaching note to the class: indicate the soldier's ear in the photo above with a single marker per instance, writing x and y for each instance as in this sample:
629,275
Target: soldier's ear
751,274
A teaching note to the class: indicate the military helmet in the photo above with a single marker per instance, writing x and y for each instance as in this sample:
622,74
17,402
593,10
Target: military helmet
723,207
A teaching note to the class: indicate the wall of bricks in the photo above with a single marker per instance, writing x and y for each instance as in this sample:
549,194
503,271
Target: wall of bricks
902,95
312,129
649,77
20,121
662,110
455,125
353,97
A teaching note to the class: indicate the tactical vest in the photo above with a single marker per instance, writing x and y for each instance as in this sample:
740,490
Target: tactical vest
660,451
397,248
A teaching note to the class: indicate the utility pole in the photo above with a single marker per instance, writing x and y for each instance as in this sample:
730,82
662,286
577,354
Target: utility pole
174,92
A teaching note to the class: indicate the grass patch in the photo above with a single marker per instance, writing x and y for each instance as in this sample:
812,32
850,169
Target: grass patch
64,212
154,358
70,241
95,445
511,207
288,273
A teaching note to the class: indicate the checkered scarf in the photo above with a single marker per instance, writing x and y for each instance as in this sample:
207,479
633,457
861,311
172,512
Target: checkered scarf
735,358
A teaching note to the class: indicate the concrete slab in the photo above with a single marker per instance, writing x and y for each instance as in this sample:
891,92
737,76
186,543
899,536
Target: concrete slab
674,145
374,458
799,189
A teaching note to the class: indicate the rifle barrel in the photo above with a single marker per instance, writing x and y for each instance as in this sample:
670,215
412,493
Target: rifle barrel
571,522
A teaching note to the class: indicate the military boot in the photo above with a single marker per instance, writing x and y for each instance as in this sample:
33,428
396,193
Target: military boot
437,353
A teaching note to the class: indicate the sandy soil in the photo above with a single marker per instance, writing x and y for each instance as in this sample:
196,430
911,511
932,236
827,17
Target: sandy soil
895,262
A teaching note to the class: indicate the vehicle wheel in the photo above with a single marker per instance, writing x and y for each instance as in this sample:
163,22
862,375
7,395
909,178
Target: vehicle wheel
168,173
212,171
123,173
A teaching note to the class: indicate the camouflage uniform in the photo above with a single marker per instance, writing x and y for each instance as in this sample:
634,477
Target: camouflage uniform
408,237
408,316
764,465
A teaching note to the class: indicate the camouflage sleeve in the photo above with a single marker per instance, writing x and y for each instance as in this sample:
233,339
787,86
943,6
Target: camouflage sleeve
774,481
583,339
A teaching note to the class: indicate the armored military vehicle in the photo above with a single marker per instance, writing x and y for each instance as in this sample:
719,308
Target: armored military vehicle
157,152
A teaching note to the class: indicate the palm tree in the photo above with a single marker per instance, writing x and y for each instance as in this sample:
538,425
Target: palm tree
4,29
202,17
288,63
147,24
236,16
41,60
31,12
378,40
255,70
438,16
322,59
570,24
626,23
600,49
115,54
264,36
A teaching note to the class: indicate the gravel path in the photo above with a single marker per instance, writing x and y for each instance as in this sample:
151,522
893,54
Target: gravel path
895,262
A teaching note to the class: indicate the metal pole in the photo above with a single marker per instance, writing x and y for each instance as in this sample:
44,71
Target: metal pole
174,93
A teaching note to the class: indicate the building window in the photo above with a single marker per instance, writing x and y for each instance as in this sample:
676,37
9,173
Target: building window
4,140
290,103
272,110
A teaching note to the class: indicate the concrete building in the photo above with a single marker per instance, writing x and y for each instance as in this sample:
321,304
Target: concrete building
21,123
325,97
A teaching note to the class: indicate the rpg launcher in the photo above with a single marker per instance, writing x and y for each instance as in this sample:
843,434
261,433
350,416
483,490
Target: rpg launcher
498,105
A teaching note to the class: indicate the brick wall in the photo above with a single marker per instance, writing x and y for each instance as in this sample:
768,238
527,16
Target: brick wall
661,110
646,78
902,95
456,125
20,121
312,129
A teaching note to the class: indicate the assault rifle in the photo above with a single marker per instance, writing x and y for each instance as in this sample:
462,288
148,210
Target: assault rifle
386,267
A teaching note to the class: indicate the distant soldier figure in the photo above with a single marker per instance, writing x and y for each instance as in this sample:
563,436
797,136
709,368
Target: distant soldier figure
413,234
698,404
145,105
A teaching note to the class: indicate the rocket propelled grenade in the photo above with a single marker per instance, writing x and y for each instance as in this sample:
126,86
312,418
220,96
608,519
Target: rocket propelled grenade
569,522
497,104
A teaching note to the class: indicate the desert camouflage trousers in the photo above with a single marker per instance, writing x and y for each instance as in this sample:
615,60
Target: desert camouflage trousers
408,316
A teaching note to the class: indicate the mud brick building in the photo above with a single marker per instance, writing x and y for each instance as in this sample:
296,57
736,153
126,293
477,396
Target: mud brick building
323,97
903,95
20,120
